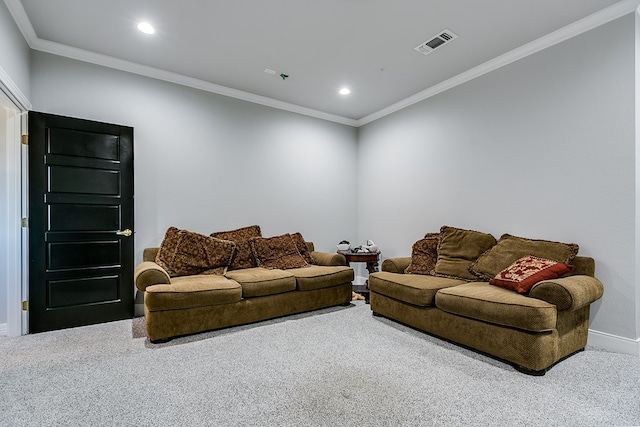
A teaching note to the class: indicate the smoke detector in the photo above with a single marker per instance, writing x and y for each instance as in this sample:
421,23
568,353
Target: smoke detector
443,37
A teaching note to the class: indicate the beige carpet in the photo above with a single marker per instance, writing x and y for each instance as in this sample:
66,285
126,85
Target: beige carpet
334,367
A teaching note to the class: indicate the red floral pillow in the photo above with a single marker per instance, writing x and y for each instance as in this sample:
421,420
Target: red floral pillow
527,271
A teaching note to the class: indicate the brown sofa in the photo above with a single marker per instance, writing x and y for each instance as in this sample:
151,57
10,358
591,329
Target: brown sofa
531,331
176,306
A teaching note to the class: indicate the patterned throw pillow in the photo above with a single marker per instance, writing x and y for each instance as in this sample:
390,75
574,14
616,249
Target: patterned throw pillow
184,253
243,257
424,255
302,248
277,252
527,271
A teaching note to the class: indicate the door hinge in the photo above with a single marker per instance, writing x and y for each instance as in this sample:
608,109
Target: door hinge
24,222
25,305
25,139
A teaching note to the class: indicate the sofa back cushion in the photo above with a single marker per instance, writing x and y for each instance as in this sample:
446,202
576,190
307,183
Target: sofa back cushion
310,246
185,253
511,248
458,249
584,266
150,254
243,257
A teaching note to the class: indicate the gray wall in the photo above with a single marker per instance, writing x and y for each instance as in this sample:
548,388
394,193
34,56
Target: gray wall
542,148
206,162
4,206
637,117
14,51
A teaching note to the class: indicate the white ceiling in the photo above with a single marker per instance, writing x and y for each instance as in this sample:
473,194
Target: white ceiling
367,45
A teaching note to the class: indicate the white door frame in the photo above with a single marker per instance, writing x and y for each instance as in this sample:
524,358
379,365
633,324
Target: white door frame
14,242
17,190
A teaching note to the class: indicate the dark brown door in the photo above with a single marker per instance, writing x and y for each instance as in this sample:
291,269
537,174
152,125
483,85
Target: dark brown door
80,222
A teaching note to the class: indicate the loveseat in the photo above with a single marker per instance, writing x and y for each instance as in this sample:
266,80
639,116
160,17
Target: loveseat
230,286
466,287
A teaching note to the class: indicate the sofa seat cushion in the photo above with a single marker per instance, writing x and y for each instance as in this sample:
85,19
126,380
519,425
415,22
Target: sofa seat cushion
259,282
482,301
318,277
192,291
414,289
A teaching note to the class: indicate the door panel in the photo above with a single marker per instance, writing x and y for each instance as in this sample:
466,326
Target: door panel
73,142
70,255
80,196
84,181
74,217
72,292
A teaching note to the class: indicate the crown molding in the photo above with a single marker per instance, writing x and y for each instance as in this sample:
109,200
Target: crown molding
590,22
168,76
22,20
11,89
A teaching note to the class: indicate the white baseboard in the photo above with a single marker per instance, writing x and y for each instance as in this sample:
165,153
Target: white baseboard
614,343
138,310
3,329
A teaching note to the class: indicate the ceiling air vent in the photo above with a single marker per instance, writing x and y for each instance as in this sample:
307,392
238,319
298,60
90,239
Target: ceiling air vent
443,37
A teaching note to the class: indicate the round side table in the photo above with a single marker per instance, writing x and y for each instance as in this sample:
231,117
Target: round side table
372,259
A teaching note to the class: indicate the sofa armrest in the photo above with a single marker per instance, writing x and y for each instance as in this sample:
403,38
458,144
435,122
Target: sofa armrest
328,259
149,273
568,293
396,265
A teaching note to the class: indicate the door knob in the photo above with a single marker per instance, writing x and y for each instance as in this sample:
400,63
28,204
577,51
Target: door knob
125,233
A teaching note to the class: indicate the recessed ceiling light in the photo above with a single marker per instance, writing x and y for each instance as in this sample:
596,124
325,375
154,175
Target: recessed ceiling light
344,91
146,28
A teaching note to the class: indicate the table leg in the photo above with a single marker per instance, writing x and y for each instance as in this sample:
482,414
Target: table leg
372,267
